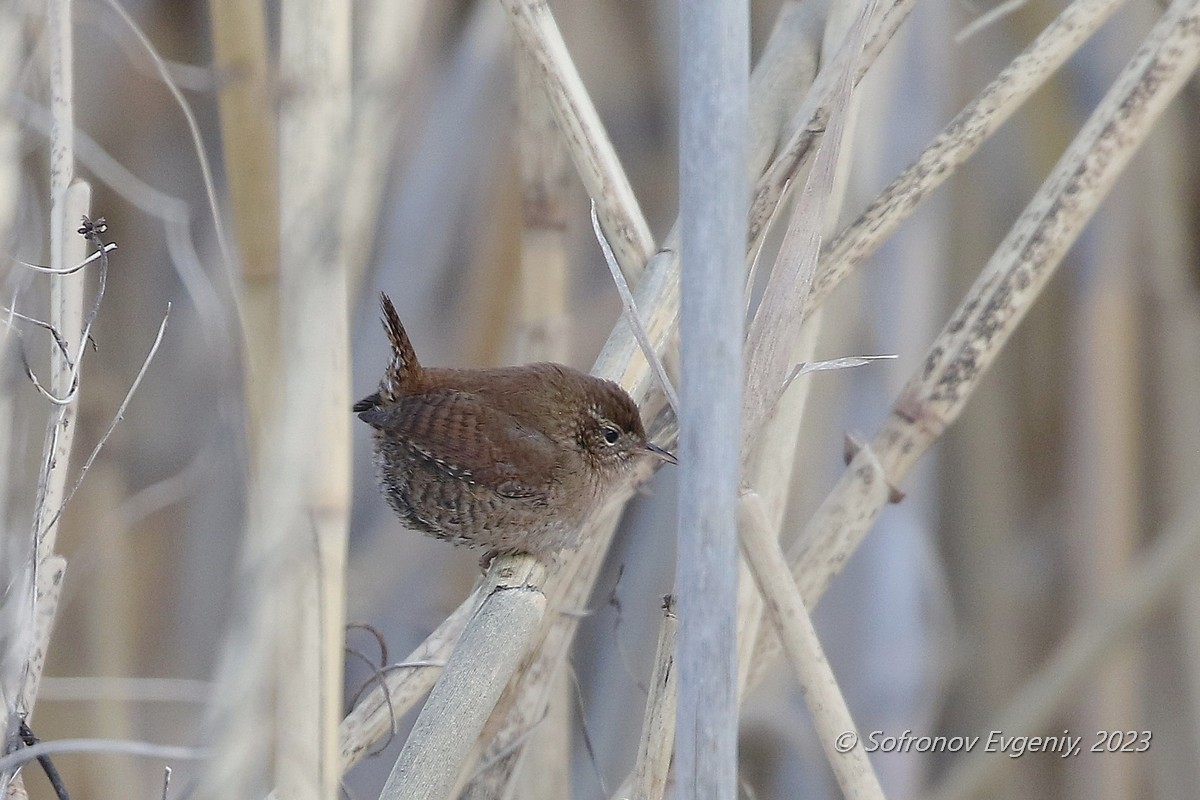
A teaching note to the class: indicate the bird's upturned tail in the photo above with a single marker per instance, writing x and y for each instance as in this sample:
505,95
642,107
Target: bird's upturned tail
403,369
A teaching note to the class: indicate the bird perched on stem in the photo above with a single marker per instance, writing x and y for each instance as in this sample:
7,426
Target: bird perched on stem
513,459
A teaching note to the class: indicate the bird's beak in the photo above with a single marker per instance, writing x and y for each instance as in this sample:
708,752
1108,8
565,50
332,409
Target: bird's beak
663,454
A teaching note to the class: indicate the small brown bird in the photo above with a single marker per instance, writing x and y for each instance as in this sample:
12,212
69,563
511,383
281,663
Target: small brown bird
513,459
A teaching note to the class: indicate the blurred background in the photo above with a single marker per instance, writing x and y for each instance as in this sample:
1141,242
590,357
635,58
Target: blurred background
1079,449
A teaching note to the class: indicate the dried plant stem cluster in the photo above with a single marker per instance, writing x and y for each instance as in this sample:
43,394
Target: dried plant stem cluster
871,475
303,139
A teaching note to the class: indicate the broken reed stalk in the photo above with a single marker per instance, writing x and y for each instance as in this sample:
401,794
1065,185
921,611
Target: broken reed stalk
657,742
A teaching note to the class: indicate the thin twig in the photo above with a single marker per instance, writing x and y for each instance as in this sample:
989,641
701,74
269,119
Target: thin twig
372,716
123,747
90,231
988,18
120,415
46,763
107,248
174,214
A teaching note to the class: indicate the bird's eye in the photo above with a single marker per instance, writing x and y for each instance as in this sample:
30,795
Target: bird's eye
611,434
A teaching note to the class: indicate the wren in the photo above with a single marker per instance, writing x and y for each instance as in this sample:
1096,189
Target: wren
513,459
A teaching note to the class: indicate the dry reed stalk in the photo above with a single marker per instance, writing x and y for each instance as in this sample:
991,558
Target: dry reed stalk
959,140
831,716
542,334
1001,296
314,133
249,142
12,52
437,751
69,202
657,741
713,142
250,154
523,704
595,159
294,550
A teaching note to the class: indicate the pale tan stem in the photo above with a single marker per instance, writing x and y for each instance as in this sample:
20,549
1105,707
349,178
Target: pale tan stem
491,647
836,731
595,159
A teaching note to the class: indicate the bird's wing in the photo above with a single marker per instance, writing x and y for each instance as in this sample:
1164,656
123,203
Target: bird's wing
469,440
